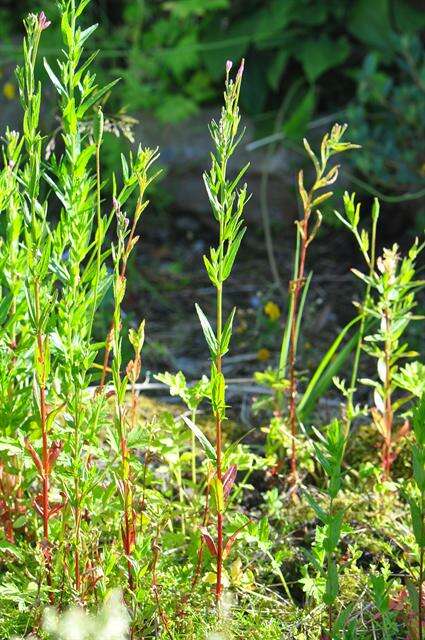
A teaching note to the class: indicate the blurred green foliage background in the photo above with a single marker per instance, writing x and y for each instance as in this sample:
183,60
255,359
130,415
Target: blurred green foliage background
359,61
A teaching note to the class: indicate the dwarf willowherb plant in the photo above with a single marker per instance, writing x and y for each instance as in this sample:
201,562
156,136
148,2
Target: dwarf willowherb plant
123,423
417,505
56,290
367,245
329,453
306,231
77,257
391,303
227,203
39,293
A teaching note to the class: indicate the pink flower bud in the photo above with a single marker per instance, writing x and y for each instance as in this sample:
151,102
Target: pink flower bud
43,22
229,65
240,70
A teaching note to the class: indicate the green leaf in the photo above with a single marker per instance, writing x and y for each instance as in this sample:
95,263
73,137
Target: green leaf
341,621
318,55
208,331
418,457
80,8
296,125
218,388
217,495
10,448
406,17
417,523
227,333
230,256
95,98
333,531
202,439
5,305
183,9
327,370
84,35
321,514
370,22
60,89
332,584
419,421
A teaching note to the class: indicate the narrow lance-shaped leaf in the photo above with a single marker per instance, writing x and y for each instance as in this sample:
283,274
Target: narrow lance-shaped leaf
202,439
208,331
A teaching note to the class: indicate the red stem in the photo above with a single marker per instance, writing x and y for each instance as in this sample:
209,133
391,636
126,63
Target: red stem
45,458
389,413
122,276
218,441
297,288
128,509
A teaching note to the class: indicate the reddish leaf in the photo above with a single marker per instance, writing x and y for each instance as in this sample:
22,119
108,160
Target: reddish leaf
54,451
228,479
231,540
128,538
55,509
34,456
402,432
5,518
207,539
46,550
38,504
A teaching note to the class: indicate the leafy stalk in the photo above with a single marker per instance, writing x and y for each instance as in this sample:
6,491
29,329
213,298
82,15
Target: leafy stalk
78,237
367,245
330,450
39,298
306,232
391,302
417,503
121,253
227,203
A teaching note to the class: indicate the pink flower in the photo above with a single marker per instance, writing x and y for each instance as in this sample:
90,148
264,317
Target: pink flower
229,65
43,22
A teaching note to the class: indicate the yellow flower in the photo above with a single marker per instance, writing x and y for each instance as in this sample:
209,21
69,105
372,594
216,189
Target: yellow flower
263,354
242,326
272,310
9,91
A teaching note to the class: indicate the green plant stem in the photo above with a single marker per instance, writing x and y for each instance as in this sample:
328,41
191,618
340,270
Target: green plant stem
181,493
283,356
128,507
77,498
129,245
218,429
421,575
205,518
297,287
98,241
329,557
44,435
362,328
281,576
388,415
193,450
